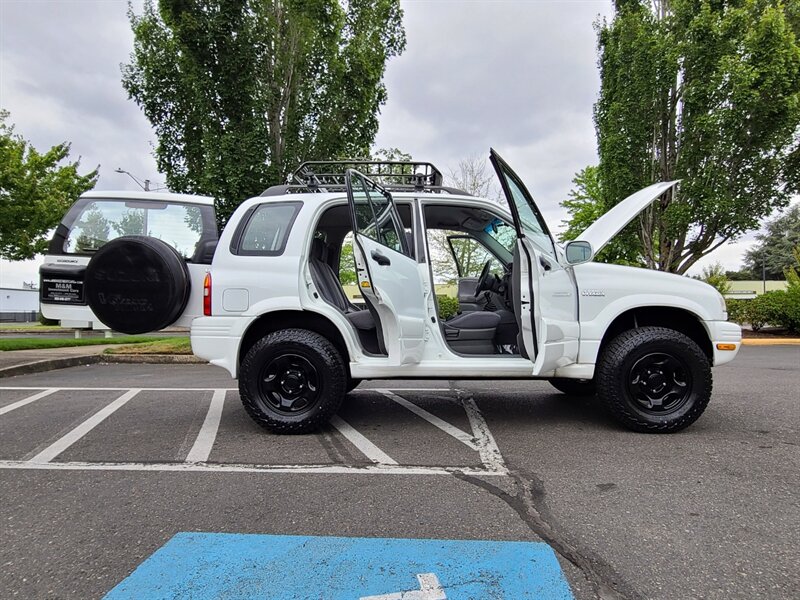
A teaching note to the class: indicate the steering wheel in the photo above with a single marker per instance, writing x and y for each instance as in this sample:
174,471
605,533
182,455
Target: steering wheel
483,280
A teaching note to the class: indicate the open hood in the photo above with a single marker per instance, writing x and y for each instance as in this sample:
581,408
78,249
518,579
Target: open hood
599,233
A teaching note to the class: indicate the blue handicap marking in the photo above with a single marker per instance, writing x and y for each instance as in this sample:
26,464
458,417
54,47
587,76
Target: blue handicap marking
245,566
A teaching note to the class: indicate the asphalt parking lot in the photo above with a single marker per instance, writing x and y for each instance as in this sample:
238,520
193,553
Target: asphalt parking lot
101,465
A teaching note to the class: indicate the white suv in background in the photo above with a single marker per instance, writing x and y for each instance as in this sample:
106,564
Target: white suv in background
169,239
274,314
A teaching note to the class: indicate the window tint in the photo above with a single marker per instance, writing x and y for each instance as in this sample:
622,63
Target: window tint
267,228
179,225
531,222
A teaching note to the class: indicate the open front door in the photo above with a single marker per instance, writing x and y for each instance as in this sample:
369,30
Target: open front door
388,276
545,294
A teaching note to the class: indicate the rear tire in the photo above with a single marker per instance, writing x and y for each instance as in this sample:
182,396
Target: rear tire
654,380
292,381
574,387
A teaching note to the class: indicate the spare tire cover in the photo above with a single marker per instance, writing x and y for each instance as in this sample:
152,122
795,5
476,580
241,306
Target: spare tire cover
136,284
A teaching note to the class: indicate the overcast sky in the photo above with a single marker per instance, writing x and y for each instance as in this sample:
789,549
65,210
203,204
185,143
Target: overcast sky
520,76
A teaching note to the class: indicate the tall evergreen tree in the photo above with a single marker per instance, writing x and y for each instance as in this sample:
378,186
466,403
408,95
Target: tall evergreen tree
708,92
241,91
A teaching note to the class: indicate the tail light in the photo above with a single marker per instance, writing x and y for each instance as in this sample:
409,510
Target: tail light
207,295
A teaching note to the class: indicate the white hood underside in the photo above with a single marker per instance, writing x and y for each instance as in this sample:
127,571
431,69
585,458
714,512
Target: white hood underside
599,233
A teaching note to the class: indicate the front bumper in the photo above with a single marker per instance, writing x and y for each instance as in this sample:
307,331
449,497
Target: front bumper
723,335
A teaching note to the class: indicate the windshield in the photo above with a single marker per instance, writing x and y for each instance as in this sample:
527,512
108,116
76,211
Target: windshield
503,233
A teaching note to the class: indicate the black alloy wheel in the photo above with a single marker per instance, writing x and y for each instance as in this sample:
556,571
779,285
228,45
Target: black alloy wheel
289,383
660,383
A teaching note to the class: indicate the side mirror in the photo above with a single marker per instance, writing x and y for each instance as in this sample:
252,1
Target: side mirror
578,252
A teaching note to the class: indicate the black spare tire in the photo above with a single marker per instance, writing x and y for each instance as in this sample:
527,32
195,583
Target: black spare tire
136,284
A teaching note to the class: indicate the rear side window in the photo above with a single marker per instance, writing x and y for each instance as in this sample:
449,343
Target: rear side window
265,229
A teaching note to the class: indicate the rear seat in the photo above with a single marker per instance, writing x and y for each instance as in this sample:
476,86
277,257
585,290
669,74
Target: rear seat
331,289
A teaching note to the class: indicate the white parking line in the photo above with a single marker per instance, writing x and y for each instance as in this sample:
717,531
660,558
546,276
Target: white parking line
61,444
183,467
120,389
28,400
487,447
481,439
449,429
367,448
208,432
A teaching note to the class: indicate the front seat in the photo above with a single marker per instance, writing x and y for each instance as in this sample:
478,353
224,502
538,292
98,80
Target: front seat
472,332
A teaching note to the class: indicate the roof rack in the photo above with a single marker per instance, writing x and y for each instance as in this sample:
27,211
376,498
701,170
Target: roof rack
394,175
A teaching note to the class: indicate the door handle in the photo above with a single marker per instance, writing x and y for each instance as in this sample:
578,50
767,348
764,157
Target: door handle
380,258
545,265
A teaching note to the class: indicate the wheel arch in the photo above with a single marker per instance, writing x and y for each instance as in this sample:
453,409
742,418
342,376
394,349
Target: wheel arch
275,320
670,317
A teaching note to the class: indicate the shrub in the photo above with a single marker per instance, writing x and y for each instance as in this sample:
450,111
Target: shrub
715,276
447,307
791,316
737,310
777,308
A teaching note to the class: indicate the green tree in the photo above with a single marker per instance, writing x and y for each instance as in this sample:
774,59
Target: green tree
707,92
241,91
585,206
35,192
94,230
714,275
347,263
773,251
132,223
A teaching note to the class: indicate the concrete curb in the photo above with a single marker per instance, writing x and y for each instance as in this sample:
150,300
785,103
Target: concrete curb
769,342
155,359
51,364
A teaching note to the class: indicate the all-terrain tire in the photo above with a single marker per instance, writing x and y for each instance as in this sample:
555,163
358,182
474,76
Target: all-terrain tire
642,364
353,383
135,284
574,387
292,381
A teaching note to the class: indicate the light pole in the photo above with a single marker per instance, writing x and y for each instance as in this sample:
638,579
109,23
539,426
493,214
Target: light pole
145,186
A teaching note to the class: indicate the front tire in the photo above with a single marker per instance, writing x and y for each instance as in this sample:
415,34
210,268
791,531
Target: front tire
292,381
654,380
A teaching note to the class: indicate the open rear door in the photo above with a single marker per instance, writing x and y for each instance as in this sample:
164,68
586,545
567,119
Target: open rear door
388,276
545,295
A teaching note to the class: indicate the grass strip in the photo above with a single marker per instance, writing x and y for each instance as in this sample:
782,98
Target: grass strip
174,345
7,344
30,327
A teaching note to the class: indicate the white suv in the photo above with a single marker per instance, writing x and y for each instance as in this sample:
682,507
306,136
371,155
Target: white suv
275,315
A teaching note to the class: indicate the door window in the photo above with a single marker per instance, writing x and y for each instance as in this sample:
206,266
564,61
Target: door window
375,213
470,256
530,221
